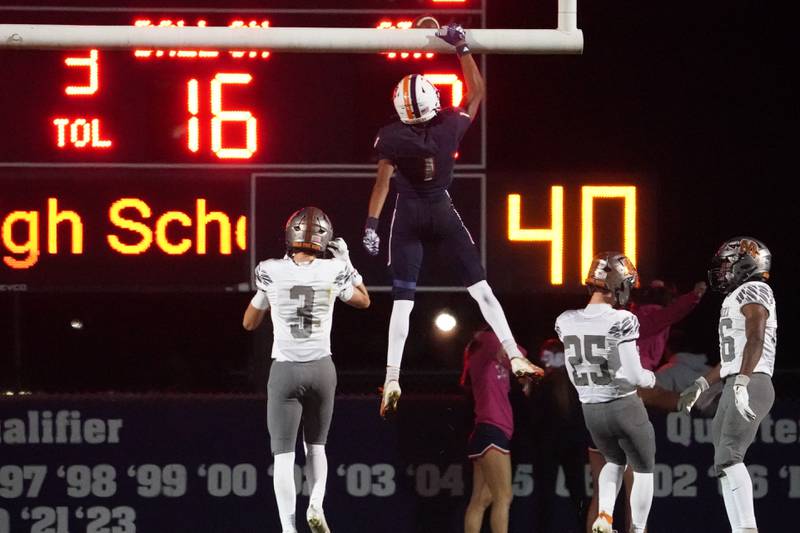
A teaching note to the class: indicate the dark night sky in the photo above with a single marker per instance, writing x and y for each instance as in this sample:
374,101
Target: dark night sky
705,108
694,96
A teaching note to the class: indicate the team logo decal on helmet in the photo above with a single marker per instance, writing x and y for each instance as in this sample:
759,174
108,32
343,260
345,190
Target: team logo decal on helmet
416,99
309,230
613,272
738,260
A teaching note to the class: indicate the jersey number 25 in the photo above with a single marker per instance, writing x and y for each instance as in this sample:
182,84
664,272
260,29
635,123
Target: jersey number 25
577,360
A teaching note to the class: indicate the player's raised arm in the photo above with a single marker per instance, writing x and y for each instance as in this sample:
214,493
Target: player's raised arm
380,190
476,87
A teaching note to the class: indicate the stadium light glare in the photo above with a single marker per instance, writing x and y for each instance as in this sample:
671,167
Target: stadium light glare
445,322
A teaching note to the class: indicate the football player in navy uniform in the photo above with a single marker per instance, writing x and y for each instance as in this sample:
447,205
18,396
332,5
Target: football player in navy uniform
419,152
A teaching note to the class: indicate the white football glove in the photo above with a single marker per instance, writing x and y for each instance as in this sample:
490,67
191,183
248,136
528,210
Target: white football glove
651,379
371,241
741,397
692,393
338,249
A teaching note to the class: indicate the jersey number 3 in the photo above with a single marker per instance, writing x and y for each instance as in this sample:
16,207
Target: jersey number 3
584,379
302,327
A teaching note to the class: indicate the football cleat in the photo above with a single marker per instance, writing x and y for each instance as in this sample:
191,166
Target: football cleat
602,524
521,367
391,395
316,520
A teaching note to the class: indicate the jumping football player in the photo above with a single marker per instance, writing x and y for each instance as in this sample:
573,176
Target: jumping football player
419,151
603,363
300,291
748,337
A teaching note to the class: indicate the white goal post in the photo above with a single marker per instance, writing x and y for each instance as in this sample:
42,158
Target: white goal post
565,39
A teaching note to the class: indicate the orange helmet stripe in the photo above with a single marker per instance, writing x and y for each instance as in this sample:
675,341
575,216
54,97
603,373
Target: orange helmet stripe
407,97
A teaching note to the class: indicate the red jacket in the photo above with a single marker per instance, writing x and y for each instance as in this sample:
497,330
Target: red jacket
654,324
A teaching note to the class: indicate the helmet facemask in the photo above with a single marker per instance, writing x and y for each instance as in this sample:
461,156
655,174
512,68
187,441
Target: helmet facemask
720,274
308,230
737,261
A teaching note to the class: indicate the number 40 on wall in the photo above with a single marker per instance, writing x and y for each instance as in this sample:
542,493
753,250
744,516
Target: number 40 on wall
555,233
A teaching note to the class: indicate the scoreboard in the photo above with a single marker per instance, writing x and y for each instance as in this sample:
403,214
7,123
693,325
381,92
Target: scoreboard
159,168
212,106
165,169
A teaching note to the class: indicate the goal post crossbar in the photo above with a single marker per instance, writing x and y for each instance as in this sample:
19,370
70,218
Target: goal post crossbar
284,39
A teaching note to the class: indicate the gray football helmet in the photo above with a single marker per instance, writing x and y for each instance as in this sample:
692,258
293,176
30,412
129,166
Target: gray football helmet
615,273
308,230
738,260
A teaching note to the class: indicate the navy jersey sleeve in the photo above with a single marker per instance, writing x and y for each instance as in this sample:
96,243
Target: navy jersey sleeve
457,121
383,145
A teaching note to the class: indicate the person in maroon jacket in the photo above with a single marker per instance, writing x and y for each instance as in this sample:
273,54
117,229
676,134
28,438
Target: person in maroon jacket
487,376
657,312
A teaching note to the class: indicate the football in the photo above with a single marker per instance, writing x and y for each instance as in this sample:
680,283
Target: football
426,21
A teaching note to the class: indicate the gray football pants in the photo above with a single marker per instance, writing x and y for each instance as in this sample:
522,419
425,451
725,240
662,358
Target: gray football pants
731,432
300,392
622,432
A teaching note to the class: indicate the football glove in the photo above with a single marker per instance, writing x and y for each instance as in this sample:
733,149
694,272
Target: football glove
338,249
691,394
741,397
371,241
452,34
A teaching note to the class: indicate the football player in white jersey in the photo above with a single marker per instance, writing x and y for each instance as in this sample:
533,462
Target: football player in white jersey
300,291
748,337
603,363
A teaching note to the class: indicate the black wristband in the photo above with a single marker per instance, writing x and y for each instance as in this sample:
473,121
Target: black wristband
462,50
372,223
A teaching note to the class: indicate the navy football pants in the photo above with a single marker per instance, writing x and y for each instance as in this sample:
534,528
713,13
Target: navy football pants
419,222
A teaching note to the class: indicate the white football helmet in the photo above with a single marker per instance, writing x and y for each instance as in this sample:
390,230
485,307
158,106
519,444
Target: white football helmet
416,99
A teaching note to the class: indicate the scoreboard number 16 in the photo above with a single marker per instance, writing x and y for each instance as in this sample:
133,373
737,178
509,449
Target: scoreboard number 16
84,133
221,116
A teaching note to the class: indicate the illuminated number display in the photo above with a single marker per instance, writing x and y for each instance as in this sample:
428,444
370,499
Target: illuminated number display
573,223
168,167
206,106
221,116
